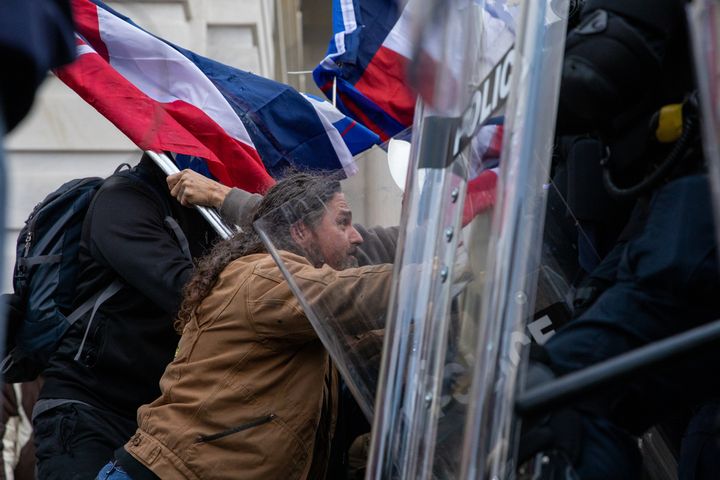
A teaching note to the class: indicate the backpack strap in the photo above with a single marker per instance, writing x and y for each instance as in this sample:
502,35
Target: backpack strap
95,301
122,166
29,262
51,234
172,224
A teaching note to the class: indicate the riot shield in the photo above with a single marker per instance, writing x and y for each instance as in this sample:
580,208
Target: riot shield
704,22
509,296
3,183
349,320
440,293
462,65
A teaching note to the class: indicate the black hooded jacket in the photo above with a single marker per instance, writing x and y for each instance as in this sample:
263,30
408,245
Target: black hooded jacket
131,338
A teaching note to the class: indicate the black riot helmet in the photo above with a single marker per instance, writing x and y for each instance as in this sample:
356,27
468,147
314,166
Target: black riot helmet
624,56
624,61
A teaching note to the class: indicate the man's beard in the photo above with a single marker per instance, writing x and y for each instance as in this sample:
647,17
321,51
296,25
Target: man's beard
315,257
350,261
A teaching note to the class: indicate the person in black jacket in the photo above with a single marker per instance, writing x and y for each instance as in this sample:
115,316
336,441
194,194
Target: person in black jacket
105,369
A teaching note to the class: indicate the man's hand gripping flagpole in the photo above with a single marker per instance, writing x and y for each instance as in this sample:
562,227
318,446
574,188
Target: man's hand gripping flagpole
212,217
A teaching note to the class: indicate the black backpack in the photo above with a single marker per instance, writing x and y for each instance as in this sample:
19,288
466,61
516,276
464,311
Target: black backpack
45,278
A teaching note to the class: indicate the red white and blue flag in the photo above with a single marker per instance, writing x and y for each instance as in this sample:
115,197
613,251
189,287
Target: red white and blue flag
484,160
368,56
240,128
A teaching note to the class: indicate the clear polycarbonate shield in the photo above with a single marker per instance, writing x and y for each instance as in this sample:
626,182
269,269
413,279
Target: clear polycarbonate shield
704,24
342,285
510,292
3,183
461,68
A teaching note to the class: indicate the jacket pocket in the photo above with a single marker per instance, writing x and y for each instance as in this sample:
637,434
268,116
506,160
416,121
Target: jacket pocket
245,426
91,347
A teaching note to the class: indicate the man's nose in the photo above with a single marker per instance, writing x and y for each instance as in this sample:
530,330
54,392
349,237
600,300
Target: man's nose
355,237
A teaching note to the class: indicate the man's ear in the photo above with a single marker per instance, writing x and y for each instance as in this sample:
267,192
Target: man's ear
300,233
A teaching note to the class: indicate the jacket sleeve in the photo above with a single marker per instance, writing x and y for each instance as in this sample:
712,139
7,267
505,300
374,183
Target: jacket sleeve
128,235
239,206
378,245
354,300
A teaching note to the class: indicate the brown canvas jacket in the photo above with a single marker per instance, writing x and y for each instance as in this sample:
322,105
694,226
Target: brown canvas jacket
251,393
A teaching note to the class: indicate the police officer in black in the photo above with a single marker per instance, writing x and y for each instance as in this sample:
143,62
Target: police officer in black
659,275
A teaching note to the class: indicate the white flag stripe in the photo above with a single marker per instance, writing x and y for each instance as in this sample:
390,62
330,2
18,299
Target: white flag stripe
160,72
348,14
398,40
328,115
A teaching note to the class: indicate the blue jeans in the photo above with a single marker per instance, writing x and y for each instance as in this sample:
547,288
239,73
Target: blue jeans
111,471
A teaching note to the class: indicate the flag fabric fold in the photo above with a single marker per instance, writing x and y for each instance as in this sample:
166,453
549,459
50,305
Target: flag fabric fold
245,128
356,136
367,57
484,160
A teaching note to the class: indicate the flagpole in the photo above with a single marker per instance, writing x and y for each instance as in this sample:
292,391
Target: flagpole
334,92
212,217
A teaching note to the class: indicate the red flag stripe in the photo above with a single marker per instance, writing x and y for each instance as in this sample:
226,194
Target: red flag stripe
384,82
156,126
481,194
86,20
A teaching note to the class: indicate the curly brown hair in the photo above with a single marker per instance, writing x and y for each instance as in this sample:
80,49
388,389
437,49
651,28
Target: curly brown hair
303,197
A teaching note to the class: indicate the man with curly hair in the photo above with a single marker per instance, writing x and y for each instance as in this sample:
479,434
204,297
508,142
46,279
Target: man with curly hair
252,391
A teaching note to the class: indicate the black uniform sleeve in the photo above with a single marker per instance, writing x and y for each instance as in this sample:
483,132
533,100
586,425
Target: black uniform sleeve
128,235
